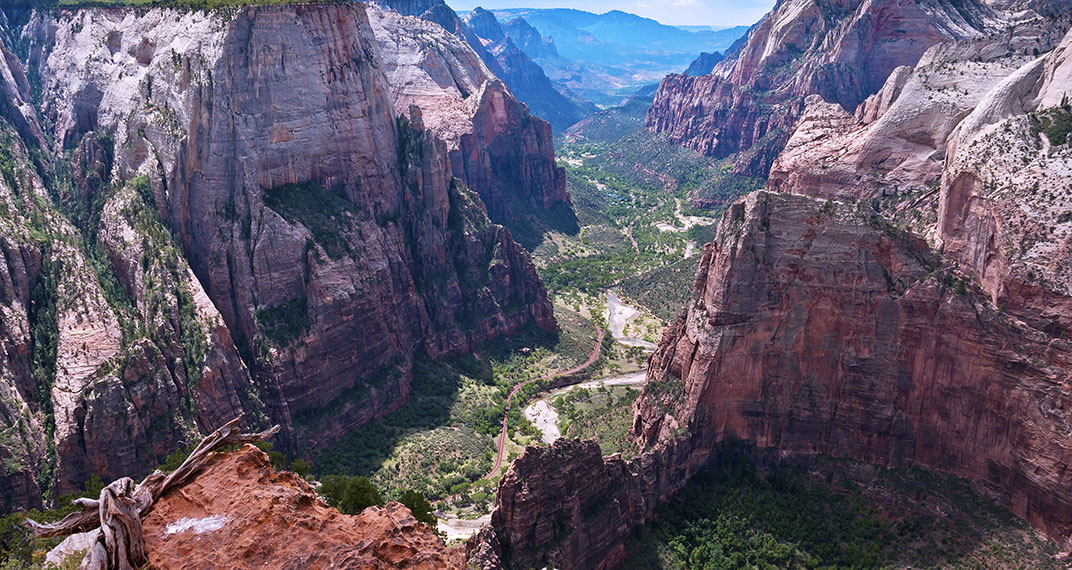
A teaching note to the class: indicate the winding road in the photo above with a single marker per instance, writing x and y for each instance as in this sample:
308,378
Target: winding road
502,434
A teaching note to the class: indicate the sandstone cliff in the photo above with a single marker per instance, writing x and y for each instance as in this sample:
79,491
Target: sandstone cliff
814,328
494,145
842,51
960,144
524,77
231,216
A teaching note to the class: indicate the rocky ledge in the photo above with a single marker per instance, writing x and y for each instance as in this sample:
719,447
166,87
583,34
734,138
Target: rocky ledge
238,513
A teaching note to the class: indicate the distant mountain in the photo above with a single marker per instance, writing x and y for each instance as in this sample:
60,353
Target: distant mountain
606,57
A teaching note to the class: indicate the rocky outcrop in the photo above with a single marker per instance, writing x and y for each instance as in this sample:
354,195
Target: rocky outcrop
895,143
238,233
569,506
523,75
238,513
1004,202
842,51
813,328
529,39
495,146
704,64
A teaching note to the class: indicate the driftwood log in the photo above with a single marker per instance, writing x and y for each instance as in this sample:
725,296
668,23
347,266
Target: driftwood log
118,513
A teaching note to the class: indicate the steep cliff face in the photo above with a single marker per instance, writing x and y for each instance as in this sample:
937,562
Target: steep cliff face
524,77
705,63
895,143
842,51
1005,200
495,146
231,214
815,329
965,137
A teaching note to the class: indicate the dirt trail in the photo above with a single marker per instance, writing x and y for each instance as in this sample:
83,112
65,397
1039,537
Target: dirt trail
502,434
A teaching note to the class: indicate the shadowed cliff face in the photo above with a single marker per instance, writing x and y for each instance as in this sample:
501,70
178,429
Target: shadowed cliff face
842,51
814,328
247,226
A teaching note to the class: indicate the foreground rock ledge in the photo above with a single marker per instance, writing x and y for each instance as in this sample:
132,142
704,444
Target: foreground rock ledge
238,513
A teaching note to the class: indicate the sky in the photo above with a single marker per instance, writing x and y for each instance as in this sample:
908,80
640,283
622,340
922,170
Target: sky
719,13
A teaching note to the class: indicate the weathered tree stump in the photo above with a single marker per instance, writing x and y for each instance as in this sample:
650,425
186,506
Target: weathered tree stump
118,513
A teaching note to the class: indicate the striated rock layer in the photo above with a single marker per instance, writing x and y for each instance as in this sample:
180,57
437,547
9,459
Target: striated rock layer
238,513
495,146
232,216
814,328
841,51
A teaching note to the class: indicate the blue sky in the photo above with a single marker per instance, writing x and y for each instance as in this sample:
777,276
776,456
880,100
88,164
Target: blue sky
674,12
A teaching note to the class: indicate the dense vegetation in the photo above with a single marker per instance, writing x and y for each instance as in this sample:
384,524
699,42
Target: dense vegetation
735,517
604,414
441,442
1055,123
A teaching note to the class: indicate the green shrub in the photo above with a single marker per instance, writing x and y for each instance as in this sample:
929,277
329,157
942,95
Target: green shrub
350,495
421,508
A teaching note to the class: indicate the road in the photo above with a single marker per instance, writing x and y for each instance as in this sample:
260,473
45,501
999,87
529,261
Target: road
502,434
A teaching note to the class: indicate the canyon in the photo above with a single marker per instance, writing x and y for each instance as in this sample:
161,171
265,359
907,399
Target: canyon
285,212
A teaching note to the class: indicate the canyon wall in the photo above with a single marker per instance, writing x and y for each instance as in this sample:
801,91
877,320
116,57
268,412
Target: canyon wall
841,51
231,216
815,327
495,146
524,77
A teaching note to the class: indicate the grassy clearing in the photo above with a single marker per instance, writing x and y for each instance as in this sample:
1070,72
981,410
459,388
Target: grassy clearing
604,414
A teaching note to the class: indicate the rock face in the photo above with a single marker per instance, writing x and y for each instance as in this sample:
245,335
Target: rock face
524,77
1005,193
568,505
812,330
238,513
961,136
240,232
842,51
704,64
895,143
494,145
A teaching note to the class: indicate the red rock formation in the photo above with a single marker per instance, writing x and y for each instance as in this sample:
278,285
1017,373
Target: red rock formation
843,51
292,246
238,513
814,328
